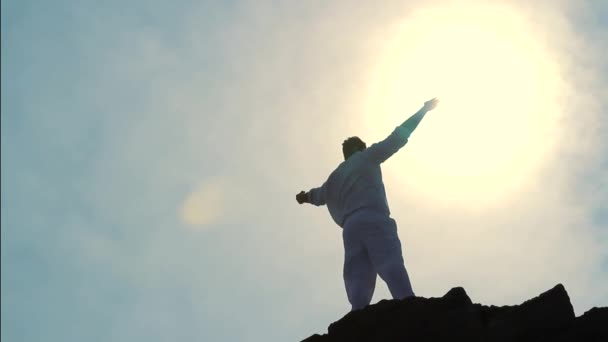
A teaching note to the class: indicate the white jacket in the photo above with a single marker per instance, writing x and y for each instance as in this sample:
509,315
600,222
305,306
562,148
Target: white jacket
357,182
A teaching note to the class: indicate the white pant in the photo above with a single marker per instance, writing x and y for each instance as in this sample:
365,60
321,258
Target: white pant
371,246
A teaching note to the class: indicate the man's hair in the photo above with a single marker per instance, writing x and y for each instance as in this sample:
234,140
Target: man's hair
352,144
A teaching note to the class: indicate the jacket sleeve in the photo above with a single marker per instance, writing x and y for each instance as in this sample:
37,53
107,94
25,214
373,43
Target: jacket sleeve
381,151
316,196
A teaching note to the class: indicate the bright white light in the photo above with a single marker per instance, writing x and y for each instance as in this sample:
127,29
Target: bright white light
498,86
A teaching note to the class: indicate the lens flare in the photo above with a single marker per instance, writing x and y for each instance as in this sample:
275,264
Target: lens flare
204,206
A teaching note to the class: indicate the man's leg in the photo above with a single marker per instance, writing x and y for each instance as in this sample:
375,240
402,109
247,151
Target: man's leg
384,248
359,274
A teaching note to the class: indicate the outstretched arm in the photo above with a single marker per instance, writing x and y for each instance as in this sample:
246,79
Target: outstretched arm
381,151
412,122
315,196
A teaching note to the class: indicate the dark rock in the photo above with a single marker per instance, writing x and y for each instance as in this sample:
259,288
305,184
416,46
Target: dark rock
592,326
453,317
549,314
317,338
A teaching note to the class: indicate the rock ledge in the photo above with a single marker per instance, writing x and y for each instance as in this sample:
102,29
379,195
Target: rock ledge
454,317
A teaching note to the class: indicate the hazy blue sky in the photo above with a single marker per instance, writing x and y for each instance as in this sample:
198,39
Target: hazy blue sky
151,152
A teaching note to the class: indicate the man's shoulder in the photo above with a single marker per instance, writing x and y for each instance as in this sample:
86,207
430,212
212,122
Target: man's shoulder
356,161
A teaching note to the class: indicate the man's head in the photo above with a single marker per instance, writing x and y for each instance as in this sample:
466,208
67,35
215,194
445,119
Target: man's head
352,145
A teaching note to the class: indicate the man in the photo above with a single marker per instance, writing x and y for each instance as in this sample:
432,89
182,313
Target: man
356,199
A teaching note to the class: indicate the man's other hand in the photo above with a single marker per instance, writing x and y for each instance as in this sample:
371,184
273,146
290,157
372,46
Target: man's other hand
431,104
302,197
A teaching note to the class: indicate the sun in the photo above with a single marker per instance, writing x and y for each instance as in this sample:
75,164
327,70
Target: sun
496,124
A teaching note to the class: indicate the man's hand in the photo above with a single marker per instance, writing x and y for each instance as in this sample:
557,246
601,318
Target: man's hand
302,197
431,104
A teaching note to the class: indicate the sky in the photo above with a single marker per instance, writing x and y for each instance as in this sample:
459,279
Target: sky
151,152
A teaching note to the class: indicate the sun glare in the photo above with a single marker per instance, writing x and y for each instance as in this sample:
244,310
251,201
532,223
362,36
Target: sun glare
498,86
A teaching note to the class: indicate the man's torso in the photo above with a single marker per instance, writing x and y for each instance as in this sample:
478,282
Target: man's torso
355,184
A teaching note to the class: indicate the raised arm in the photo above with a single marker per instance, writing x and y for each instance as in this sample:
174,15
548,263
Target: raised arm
381,151
315,196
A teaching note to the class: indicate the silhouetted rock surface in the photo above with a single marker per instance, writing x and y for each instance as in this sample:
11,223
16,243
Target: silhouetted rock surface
453,317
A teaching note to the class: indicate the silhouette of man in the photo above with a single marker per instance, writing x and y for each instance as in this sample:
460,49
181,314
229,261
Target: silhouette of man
355,197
